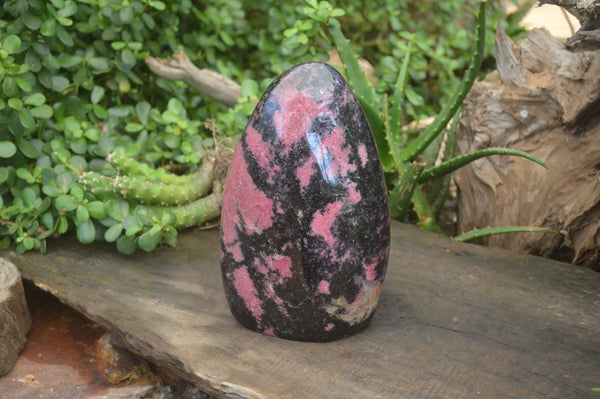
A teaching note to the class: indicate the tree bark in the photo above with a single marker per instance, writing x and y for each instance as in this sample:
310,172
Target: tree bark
544,99
15,320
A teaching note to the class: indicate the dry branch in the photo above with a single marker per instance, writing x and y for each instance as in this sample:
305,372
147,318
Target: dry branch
588,14
204,80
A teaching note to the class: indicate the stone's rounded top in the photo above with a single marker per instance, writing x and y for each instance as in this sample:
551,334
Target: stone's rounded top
318,79
8,277
311,107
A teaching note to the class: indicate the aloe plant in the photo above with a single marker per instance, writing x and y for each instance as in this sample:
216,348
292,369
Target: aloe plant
487,231
403,162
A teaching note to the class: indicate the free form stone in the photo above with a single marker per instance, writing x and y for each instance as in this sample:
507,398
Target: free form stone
305,219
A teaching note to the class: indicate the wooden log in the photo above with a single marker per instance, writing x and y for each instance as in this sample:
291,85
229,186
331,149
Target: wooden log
544,99
15,319
454,321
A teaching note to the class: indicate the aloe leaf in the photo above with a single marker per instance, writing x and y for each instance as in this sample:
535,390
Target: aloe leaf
458,162
521,12
442,193
394,120
424,212
364,92
401,195
441,120
378,130
356,75
488,231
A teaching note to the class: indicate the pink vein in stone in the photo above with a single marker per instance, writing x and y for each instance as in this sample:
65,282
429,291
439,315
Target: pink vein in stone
270,331
260,266
245,288
270,292
261,151
280,264
305,172
243,198
335,144
324,287
296,114
236,250
370,272
323,221
353,194
362,154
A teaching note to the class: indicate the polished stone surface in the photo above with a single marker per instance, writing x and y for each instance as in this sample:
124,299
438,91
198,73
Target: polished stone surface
305,220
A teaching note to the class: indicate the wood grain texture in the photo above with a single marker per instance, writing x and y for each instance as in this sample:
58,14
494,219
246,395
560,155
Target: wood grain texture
454,320
544,100
15,319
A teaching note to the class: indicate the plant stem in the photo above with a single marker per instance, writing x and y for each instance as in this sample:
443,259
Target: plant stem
424,212
458,162
442,196
393,128
193,213
401,195
487,231
141,190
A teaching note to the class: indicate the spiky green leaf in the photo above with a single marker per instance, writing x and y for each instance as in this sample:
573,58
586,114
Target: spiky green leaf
458,162
411,151
487,231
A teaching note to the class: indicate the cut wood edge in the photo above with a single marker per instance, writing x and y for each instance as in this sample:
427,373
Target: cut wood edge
15,319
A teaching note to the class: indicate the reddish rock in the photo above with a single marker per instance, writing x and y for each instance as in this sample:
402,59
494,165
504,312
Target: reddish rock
116,363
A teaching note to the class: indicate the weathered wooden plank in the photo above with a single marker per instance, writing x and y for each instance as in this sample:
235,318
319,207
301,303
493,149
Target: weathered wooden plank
455,320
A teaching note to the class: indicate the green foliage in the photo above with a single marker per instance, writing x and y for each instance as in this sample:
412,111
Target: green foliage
74,89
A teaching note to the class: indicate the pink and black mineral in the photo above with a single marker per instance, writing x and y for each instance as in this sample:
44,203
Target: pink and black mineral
305,224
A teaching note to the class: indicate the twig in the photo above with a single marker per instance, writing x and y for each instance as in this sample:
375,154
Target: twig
42,232
566,15
204,80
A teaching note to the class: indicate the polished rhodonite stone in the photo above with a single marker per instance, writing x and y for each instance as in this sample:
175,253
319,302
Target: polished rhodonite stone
305,219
